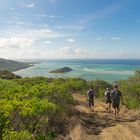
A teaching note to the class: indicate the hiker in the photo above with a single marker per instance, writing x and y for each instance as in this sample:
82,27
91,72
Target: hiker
90,94
116,96
108,99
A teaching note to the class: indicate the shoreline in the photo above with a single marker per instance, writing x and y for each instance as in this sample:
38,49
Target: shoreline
87,70
25,67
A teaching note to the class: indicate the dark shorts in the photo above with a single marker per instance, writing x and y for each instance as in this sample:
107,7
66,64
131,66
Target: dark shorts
115,105
91,102
108,101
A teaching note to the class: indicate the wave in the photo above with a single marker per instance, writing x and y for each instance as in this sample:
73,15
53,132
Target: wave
104,71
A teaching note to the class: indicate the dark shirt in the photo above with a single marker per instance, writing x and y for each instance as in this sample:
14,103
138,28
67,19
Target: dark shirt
90,94
115,96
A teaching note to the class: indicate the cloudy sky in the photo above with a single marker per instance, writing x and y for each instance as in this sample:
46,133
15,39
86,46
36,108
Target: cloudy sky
32,29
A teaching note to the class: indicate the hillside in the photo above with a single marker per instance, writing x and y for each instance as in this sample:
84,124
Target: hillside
41,108
11,65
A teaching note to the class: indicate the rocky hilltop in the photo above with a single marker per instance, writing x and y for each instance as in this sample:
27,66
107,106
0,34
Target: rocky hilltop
8,75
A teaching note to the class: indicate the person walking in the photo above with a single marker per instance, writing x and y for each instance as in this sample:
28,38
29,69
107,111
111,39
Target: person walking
108,99
90,96
116,96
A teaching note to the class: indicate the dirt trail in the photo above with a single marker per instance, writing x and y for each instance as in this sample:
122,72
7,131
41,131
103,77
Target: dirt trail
100,125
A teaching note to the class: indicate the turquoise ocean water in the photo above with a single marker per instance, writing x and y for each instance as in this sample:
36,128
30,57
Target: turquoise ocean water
91,69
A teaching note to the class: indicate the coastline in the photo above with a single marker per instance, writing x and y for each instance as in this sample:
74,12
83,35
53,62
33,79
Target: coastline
108,70
12,65
25,67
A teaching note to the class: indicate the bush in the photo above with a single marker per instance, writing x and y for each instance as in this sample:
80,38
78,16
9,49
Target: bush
15,135
131,90
33,106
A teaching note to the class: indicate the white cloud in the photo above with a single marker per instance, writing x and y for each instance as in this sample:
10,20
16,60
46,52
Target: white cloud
48,42
37,34
17,24
29,53
71,51
81,52
122,51
12,9
116,38
15,42
28,5
71,27
26,37
100,38
71,40
44,25
108,38
23,42
67,50
40,15
51,17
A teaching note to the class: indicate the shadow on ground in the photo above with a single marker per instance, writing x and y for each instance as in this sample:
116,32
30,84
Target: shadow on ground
94,122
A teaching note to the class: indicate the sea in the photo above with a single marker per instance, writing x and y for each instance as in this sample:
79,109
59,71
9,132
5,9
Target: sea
109,70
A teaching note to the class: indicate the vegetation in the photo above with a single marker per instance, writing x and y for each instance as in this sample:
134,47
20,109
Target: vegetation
99,87
40,108
131,90
36,108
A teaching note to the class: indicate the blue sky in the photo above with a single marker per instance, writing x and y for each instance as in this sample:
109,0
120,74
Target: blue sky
32,29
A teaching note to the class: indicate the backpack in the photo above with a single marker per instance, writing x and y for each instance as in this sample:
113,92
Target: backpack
108,95
90,94
116,96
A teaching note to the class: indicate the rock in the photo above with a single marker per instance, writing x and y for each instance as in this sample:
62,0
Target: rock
8,75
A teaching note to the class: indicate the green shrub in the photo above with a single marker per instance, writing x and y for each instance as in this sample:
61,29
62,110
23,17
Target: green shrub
15,135
33,106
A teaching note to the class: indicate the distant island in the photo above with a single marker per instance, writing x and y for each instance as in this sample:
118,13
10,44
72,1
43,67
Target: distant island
61,70
10,65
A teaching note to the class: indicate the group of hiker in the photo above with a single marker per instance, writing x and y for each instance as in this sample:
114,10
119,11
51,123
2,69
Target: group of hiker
112,100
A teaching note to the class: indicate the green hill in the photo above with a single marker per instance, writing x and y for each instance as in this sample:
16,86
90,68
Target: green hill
11,65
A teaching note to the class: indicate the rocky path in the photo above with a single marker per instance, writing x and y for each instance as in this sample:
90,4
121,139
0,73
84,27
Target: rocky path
100,125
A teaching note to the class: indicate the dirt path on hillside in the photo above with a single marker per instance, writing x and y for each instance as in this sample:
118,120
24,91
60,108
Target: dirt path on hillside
100,125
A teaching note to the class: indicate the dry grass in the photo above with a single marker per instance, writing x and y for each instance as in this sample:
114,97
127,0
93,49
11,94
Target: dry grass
78,133
119,132
100,125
